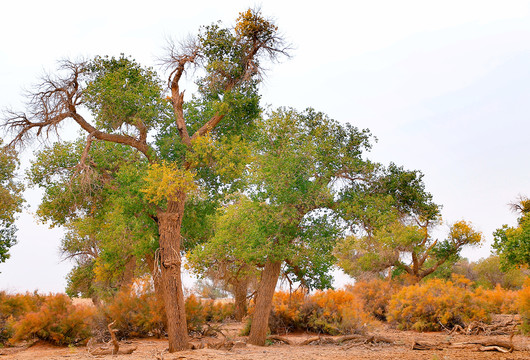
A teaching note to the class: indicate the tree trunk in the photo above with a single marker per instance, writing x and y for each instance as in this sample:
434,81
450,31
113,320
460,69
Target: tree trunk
260,318
240,298
169,223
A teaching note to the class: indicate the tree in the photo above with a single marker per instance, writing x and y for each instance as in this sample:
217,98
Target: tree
512,244
128,104
394,217
285,219
10,199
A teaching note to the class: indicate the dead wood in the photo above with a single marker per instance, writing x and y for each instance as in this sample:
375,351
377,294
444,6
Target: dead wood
358,340
281,339
417,345
115,350
495,348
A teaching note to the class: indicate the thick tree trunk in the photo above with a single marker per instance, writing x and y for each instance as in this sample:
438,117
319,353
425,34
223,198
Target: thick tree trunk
169,223
240,298
260,318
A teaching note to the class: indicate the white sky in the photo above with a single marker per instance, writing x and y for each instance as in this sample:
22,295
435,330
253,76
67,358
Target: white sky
443,85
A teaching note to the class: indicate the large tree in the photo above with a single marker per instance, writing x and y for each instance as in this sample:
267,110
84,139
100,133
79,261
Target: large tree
285,220
129,106
512,244
10,199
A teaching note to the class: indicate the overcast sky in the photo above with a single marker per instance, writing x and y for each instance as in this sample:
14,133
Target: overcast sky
443,85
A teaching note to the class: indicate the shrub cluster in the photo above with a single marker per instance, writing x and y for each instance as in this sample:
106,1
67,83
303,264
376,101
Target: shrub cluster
329,312
436,303
136,311
139,312
375,295
57,321
12,308
524,306
202,311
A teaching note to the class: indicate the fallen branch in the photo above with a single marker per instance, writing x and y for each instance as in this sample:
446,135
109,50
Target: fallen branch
281,339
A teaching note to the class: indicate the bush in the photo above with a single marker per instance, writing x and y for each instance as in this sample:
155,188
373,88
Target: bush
57,321
375,295
498,300
12,308
201,311
524,307
330,312
139,312
436,303
136,310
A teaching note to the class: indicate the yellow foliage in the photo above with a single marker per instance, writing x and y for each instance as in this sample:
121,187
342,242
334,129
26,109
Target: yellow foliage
331,312
435,303
375,295
251,24
166,182
498,300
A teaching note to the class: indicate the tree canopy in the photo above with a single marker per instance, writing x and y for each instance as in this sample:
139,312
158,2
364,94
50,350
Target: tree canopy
10,199
512,244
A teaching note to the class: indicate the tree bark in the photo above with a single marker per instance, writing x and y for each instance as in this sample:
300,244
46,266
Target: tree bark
260,318
169,224
240,299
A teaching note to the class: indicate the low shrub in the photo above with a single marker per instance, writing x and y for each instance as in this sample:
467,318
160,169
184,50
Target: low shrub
498,300
523,302
136,310
329,312
57,321
375,295
435,304
12,308
202,311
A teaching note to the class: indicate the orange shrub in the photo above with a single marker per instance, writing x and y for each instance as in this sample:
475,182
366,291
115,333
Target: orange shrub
524,306
137,310
375,295
57,321
435,303
12,307
498,300
330,312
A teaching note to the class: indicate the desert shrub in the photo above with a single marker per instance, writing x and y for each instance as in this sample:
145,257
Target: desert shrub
12,308
57,321
330,312
498,300
139,312
524,307
136,310
202,311
375,295
436,303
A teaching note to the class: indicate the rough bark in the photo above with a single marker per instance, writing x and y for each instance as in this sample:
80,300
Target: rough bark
260,318
240,295
169,224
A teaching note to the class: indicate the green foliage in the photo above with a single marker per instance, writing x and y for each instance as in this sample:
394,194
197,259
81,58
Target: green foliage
512,244
10,198
102,207
120,92
384,249
286,212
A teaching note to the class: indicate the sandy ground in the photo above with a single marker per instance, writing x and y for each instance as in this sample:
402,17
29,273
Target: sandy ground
401,349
